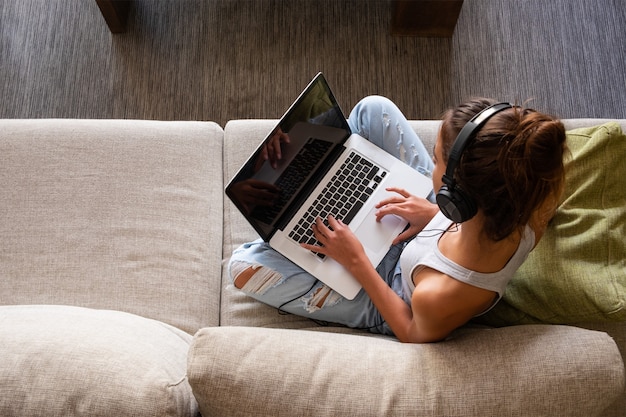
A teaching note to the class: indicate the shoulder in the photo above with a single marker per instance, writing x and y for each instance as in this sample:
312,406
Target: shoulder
440,296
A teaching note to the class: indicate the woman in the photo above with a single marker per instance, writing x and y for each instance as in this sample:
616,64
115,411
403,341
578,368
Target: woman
439,273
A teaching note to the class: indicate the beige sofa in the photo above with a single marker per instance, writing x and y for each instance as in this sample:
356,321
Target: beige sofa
114,239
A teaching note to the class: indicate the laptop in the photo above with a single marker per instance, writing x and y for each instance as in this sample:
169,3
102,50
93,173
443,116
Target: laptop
311,165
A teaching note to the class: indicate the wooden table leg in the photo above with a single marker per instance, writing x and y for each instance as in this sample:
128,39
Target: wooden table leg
428,18
115,13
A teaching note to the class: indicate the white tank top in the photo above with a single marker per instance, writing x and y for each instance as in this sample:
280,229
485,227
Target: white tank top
423,251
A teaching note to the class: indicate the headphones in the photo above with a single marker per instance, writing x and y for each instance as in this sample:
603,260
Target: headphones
453,202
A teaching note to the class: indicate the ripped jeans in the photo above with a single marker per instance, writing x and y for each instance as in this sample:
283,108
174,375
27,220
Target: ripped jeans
264,274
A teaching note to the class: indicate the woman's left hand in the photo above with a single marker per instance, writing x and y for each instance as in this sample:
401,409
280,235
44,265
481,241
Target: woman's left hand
417,211
338,242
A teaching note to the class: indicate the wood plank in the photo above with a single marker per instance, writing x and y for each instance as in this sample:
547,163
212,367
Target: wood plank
427,18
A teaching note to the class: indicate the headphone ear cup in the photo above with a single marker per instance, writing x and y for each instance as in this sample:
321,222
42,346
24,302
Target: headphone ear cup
455,204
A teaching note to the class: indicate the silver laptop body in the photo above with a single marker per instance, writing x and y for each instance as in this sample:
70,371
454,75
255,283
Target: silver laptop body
319,145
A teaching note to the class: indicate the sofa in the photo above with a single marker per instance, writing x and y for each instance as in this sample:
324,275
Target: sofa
115,300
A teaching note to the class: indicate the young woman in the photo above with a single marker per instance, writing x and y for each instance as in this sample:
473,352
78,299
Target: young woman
440,272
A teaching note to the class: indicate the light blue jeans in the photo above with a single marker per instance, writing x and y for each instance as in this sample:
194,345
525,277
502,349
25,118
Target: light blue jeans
280,283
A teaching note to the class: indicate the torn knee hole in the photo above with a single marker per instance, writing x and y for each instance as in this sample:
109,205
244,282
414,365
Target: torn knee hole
243,277
322,296
254,278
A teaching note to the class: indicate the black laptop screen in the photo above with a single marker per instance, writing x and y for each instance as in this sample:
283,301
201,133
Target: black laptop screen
273,182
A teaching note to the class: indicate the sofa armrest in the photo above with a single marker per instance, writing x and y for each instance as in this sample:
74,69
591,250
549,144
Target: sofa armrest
63,361
532,370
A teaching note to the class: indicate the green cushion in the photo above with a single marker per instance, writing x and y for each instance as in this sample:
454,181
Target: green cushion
577,272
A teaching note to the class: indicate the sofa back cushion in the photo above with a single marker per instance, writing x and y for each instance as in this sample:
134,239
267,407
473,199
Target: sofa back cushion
123,215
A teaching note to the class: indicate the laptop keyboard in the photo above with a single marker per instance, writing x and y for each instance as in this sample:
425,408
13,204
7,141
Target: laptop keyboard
346,193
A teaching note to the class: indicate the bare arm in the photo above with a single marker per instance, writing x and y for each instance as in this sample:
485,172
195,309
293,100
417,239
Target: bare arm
426,321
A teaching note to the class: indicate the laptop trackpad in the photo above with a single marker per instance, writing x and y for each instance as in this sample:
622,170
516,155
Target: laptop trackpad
371,233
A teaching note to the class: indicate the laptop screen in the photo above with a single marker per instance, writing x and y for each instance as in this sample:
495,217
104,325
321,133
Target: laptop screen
278,176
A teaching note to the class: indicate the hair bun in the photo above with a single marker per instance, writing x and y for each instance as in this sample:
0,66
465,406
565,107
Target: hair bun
513,165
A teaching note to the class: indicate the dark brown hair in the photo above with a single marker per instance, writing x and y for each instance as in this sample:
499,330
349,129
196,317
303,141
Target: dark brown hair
511,167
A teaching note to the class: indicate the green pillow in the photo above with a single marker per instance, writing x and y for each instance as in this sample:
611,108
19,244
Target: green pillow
577,272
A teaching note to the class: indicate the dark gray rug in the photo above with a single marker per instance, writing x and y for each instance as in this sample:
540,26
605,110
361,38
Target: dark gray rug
226,59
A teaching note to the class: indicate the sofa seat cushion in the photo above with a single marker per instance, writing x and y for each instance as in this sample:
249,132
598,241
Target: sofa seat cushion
72,361
577,272
534,370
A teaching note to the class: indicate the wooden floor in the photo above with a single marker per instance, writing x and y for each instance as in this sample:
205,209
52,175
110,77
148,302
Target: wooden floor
226,59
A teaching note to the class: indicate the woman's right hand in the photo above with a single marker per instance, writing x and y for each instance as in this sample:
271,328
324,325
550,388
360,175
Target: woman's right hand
417,211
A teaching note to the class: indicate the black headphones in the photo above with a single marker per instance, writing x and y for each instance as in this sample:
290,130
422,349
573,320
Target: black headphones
453,202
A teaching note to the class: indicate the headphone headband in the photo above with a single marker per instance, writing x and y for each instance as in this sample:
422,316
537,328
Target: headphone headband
451,199
468,132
